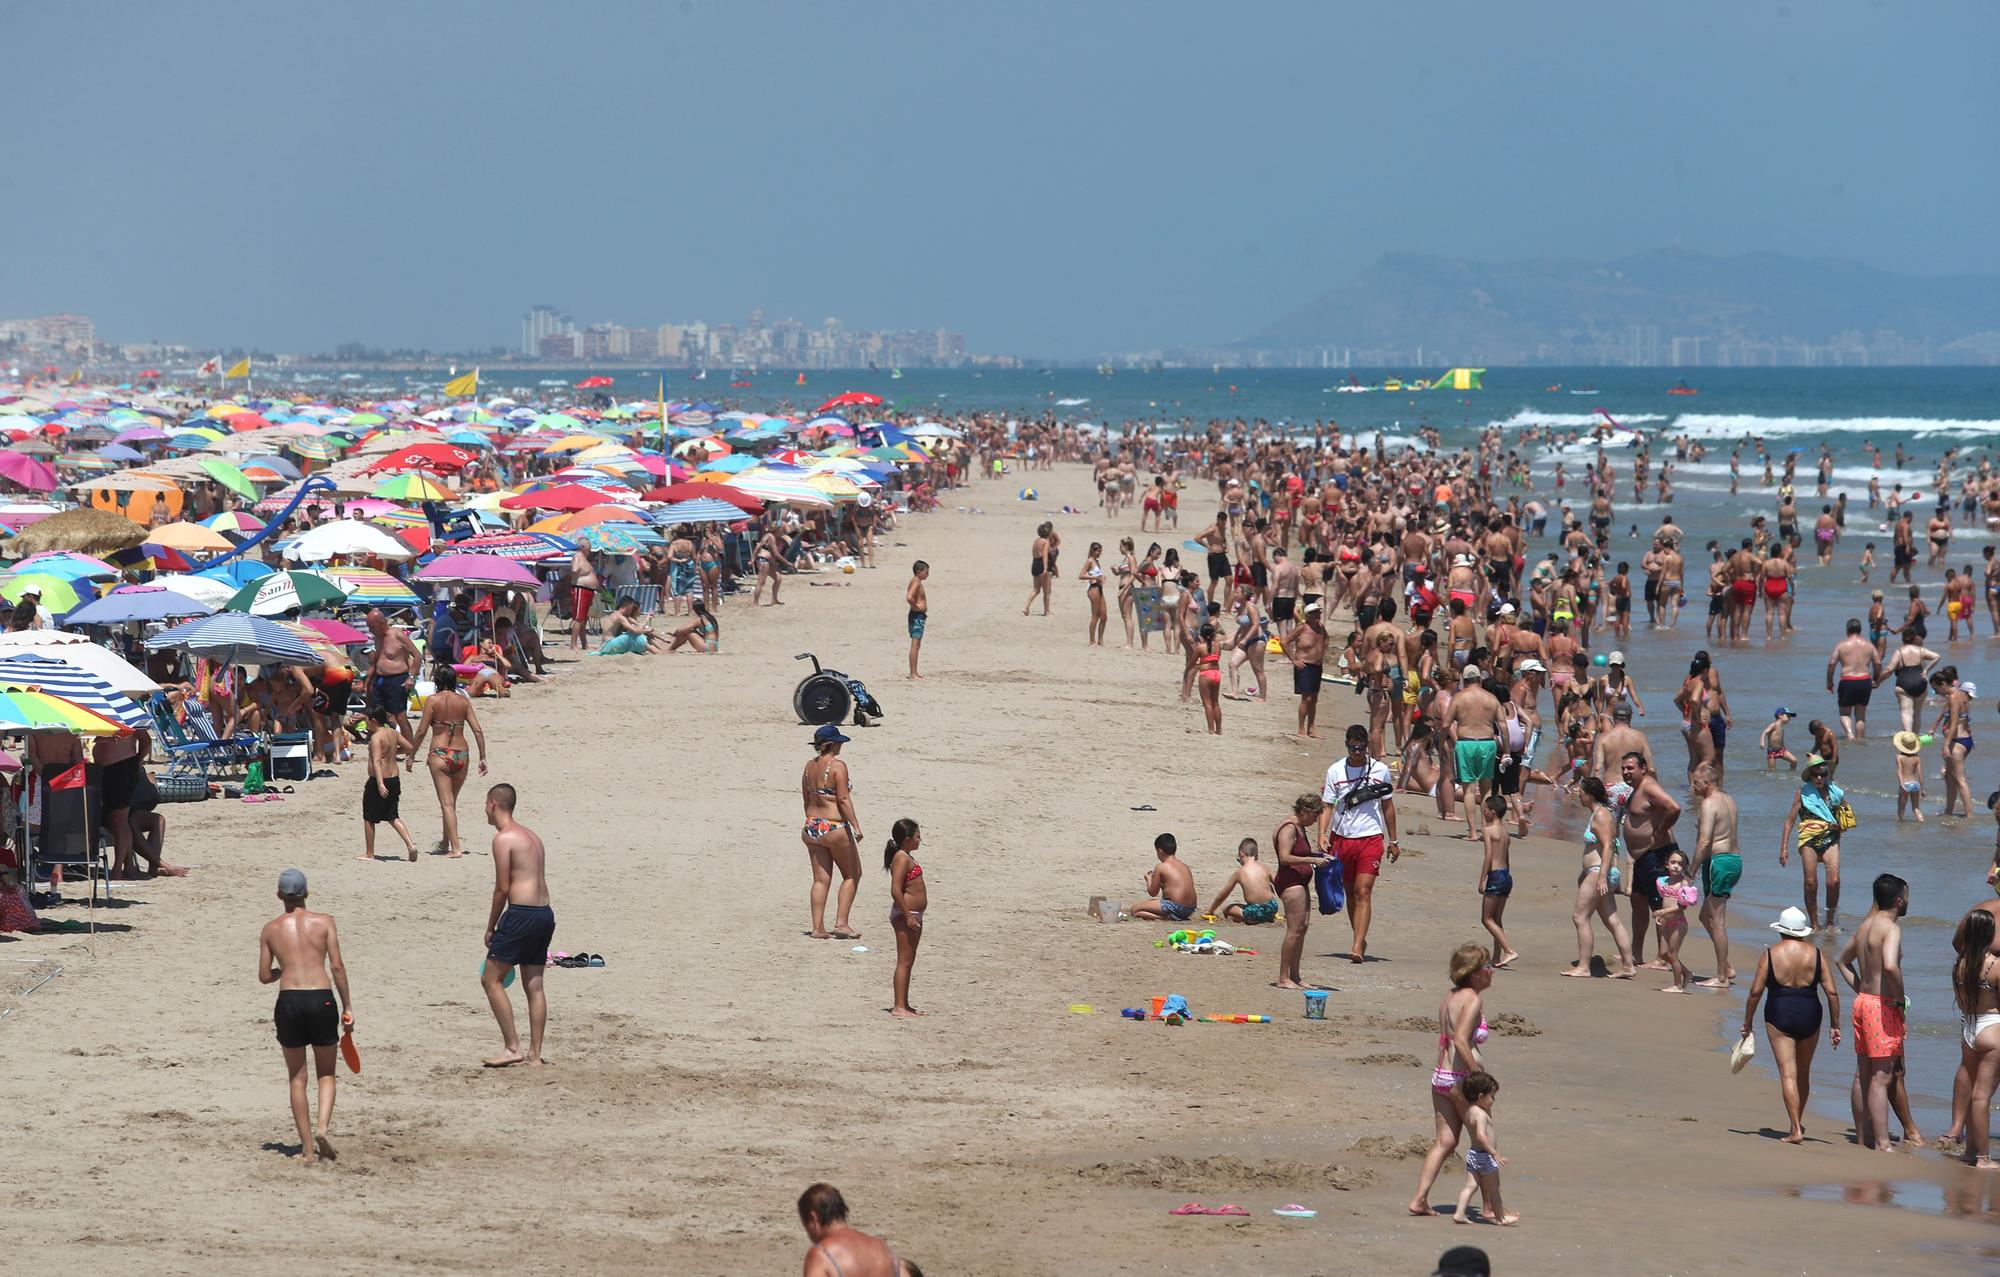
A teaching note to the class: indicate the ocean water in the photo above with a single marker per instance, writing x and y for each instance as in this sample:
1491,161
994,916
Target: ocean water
1927,410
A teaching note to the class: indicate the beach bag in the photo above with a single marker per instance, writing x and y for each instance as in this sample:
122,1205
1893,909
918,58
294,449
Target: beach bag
253,777
1844,815
1330,882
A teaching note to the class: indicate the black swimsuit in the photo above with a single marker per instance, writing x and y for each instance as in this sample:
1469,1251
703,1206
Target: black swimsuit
1794,1010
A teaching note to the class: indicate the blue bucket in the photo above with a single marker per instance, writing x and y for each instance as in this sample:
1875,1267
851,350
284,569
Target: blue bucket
1315,1004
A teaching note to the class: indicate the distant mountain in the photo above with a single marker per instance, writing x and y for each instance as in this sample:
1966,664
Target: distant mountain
1550,308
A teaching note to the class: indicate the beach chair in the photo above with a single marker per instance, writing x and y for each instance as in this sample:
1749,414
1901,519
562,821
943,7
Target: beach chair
242,748
192,747
72,833
648,596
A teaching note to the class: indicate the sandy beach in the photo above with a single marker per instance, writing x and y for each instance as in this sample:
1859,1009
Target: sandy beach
722,1060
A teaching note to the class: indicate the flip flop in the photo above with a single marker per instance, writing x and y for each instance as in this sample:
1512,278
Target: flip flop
596,959
1192,1208
1145,807
1229,1210
1295,1211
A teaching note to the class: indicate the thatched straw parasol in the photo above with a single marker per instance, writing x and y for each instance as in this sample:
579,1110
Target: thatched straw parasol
85,531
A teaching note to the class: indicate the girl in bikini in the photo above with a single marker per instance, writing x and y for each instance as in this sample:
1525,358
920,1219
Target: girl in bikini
1092,576
831,833
908,898
448,713
1462,1030
1207,650
710,564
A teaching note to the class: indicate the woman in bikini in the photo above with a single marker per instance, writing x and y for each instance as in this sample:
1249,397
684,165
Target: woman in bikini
1092,576
1975,982
710,563
1594,884
908,898
703,634
448,713
832,833
1127,572
1954,728
1207,650
770,557
1462,1030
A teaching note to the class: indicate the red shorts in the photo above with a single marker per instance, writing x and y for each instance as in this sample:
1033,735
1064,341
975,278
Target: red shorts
1744,589
580,601
1357,855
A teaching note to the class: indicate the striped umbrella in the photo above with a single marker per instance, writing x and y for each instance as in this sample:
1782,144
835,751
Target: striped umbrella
235,638
522,547
29,671
699,510
411,487
20,711
233,521
370,587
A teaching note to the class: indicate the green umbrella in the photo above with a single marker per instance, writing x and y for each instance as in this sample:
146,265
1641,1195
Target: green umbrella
282,592
58,596
229,477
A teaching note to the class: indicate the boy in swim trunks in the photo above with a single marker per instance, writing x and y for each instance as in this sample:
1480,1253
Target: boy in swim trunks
1260,897
919,605
1169,884
1872,964
1773,741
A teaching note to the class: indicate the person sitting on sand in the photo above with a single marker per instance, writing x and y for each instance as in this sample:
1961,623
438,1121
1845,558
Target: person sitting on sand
624,634
703,634
1260,898
840,1251
1169,885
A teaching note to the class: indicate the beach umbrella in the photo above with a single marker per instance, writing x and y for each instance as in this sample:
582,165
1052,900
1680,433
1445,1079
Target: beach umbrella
369,587
229,477
234,573
715,491
348,537
339,633
233,521
283,592
235,638
730,465
69,566
522,547
598,514
792,491
594,383
214,586
568,496
90,461
438,457
78,650
572,443
47,671
189,537
319,448
119,452
138,603
58,596
138,434
859,397
484,571
411,487
616,538
699,510
40,711
27,471
325,651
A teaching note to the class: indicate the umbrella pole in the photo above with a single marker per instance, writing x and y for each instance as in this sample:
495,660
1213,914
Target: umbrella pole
89,852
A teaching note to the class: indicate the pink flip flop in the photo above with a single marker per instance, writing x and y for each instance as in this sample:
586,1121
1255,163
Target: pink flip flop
1229,1210
1191,1208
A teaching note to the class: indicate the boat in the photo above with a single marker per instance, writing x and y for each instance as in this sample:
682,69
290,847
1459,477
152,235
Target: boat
1682,388
1352,386
895,374
1393,383
1587,390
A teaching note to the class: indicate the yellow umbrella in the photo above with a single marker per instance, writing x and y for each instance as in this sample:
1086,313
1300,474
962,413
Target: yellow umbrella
573,443
188,536
411,487
222,410
602,452
834,486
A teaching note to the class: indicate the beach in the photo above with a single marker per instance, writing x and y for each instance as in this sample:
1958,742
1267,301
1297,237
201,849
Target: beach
721,1061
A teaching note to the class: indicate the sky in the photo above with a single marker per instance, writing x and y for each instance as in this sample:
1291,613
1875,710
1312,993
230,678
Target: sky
1048,178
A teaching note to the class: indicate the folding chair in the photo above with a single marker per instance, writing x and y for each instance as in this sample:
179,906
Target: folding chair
72,831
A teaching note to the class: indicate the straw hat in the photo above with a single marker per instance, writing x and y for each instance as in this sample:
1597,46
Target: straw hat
1792,922
1906,742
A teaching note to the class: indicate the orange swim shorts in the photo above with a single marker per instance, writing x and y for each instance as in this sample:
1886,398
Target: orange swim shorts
1878,1027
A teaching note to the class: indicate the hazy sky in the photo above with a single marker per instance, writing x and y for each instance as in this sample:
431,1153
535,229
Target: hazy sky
1049,178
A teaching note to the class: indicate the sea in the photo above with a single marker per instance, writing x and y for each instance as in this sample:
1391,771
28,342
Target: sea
1778,410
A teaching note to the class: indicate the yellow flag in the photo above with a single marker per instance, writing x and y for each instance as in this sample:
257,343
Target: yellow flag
466,385
241,368
76,378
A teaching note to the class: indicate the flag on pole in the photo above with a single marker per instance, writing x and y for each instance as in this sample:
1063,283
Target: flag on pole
71,779
466,385
241,368
76,378
212,367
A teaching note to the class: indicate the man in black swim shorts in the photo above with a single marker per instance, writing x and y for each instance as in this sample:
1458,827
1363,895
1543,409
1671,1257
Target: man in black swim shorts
299,951
519,928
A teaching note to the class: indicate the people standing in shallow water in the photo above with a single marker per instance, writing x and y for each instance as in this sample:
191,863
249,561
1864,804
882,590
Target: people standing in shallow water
1791,978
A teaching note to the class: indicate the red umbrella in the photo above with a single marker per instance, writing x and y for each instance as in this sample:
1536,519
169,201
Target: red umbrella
148,372
593,383
720,491
242,421
568,496
426,456
851,397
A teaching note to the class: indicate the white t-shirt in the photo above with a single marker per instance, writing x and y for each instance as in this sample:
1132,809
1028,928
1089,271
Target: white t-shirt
1364,820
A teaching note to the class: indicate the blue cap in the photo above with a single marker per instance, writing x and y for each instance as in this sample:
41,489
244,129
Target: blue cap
830,735
292,883
1782,712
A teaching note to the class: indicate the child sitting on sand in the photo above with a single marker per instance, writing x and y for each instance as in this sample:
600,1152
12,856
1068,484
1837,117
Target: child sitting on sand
1909,775
1170,884
1773,741
1482,1158
1260,898
1678,894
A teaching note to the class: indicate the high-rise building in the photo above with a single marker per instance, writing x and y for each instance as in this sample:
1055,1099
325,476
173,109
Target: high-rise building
540,322
557,346
70,334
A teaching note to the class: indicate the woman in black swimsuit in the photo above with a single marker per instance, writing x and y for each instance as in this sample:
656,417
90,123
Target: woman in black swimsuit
1910,667
1795,978
1041,569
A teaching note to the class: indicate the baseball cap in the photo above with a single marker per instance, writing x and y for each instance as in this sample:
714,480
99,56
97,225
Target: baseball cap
1311,608
1506,609
1622,712
1616,658
1463,1261
1531,666
827,735
1782,712
1471,674
292,882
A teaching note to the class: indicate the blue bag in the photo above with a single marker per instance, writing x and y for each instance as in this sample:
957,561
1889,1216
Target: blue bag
1330,881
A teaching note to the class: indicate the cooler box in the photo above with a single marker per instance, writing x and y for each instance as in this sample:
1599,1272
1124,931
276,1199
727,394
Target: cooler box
291,755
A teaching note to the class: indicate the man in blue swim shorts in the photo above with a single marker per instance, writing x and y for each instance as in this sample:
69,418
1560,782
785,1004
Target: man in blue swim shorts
519,929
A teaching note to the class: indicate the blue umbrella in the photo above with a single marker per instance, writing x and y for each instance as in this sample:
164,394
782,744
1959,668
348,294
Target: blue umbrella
239,571
235,638
137,603
119,452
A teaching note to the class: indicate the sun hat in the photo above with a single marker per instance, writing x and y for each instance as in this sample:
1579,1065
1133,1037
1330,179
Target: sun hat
1792,922
1311,608
1906,742
1463,1261
830,735
1812,761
